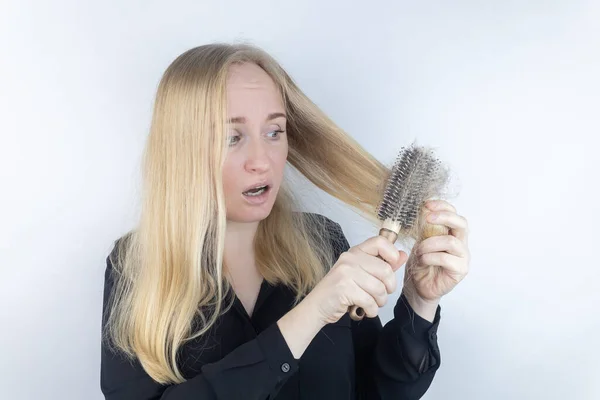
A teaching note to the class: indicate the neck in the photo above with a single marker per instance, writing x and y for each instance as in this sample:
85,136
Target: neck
239,244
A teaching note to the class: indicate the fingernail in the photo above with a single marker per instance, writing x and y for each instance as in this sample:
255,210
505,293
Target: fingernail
432,216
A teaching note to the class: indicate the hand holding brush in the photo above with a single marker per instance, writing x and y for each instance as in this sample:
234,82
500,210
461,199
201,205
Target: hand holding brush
440,257
364,275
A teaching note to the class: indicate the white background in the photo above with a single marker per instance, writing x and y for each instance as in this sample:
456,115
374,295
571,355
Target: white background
508,91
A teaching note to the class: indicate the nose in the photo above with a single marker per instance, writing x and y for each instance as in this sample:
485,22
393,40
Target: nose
257,159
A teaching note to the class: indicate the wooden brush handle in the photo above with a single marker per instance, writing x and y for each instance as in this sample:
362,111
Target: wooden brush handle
356,313
428,230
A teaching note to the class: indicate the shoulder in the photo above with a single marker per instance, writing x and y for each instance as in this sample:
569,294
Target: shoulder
329,230
112,272
320,222
114,261
118,250
319,219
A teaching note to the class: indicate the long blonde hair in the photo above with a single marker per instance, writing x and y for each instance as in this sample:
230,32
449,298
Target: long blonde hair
169,283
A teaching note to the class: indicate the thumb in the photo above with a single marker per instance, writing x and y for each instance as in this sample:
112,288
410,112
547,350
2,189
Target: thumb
402,258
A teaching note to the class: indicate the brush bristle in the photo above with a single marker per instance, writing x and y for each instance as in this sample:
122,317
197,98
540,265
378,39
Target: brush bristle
416,176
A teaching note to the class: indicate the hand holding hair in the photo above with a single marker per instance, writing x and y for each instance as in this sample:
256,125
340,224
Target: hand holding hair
437,263
416,176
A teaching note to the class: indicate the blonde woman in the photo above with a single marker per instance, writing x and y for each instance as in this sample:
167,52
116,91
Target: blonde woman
224,290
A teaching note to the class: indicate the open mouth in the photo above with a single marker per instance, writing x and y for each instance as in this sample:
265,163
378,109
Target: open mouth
256,191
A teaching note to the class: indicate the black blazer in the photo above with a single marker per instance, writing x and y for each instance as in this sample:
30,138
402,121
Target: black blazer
248,358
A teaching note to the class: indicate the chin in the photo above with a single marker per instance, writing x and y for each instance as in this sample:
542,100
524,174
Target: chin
246,213
249,216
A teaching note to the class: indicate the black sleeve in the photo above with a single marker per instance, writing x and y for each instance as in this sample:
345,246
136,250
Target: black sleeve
255,370
399,360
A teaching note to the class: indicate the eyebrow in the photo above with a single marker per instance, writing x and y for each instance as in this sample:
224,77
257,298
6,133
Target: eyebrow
241,120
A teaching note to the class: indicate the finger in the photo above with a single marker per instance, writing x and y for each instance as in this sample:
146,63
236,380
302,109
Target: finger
372,286
401,260
458,224
365,301
379,246
379,269
439,205
444,260
447,243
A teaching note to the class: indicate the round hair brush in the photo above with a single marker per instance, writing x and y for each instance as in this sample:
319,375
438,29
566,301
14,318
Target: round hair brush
417,176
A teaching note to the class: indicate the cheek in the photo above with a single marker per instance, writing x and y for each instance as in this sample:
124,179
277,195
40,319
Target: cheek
229,174
279,156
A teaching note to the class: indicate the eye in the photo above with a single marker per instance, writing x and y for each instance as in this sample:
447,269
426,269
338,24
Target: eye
279,131
231,138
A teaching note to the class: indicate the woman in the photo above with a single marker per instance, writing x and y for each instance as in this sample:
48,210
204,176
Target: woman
223,291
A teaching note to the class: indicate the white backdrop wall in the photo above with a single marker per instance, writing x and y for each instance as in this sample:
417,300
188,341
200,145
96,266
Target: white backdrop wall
507,91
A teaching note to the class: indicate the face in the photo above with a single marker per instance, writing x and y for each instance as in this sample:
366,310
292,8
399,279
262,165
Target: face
257,143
